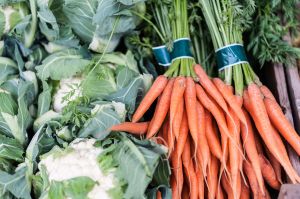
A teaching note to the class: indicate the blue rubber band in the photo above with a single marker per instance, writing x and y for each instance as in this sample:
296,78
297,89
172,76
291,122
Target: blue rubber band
181,49
231,55
162,55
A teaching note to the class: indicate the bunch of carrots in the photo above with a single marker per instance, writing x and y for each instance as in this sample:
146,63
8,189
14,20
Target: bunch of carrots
207,129
224,140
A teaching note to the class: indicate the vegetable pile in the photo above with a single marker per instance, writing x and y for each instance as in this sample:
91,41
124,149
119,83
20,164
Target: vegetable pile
223,134
59,98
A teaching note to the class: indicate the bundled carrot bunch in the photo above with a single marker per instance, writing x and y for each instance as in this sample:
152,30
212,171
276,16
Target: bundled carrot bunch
224,134
207,129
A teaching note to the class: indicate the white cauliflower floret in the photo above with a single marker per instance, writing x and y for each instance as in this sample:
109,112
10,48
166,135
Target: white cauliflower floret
65,87
80,161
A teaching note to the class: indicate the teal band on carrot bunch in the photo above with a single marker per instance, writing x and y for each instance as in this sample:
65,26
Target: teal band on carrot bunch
162,55
181,49
231,55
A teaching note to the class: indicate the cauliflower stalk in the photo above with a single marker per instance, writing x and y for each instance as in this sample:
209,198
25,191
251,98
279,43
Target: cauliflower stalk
78,168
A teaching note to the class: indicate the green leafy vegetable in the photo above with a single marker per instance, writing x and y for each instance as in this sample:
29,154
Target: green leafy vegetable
104,116
61,65
129,94
7,68
142,156
111,159
76,188
16,184
53,90
24,26
267,42
10,149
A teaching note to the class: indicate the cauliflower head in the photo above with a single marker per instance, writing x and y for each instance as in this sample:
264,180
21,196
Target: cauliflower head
117,167
77,167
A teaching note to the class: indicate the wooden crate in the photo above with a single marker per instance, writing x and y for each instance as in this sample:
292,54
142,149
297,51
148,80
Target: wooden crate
289,191
293,85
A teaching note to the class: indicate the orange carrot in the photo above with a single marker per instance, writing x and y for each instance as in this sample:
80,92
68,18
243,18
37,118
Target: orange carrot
176,97
165,130
171,141
245,194
230,98
274,161
190,100
234,167
239,182
230,88
186,155
185,193
156,110
248,170
264,196
177,170
279,141
158,195
227,187
178,119
250,147
269,173
239,100
234,155
212,137
198,160
220,192
194,182
200,182
242,157
215,111
155,90
189,170
202,141
133,128
174,189
262,122
225,153
159,139
183,134
161,110
282,124
281,146
276,165
212,177
267,93
210,88
258,143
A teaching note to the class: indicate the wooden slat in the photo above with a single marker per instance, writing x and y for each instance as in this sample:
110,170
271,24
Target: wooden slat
289,191
293,83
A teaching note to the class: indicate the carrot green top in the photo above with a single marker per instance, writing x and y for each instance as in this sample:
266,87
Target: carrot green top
226,20
183,61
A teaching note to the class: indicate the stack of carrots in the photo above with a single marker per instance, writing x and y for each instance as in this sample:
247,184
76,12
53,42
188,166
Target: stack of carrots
207,129
224,141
